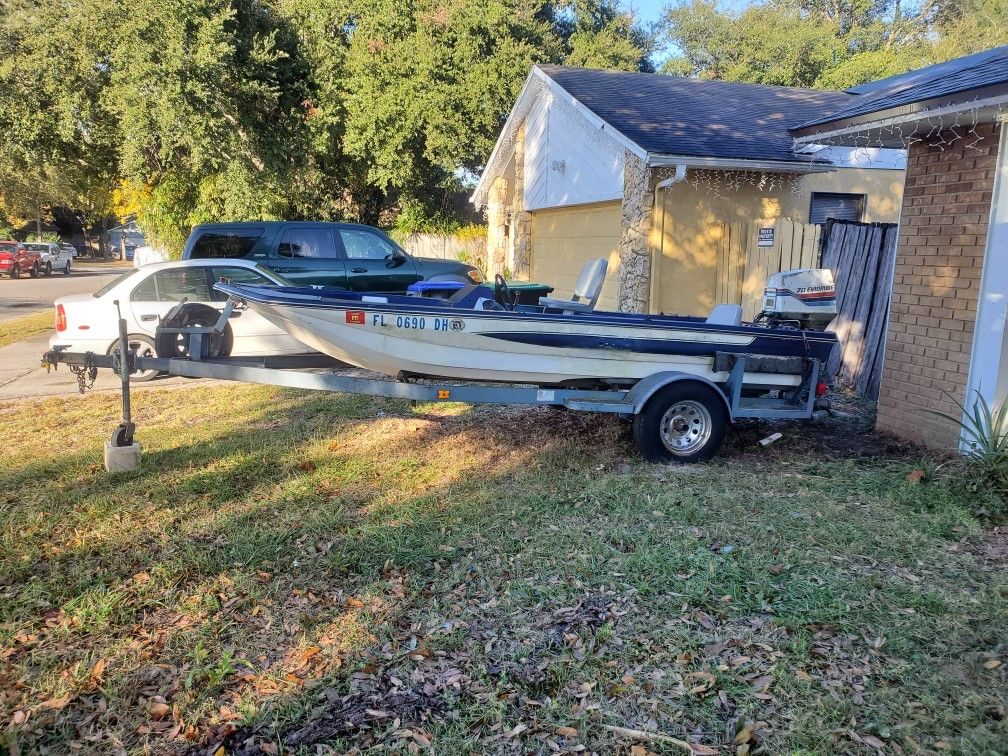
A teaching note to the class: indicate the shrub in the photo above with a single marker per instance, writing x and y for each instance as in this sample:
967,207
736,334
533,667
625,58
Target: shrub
985,430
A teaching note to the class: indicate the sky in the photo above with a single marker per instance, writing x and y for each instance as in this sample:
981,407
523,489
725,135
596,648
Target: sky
649,11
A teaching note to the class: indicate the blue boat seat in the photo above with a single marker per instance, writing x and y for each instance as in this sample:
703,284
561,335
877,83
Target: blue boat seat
586,290
725,314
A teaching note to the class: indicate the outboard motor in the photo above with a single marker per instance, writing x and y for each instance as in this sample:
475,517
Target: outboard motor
801,298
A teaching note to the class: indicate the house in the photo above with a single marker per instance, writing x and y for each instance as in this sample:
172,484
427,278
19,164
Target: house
129,232
671,179
946,336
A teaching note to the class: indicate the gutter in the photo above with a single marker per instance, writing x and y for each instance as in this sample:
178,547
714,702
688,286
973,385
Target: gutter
740,164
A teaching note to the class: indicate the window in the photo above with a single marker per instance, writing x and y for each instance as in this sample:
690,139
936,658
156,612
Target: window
174,286
307,242
367,245
114,282
839,206
235,275
236,243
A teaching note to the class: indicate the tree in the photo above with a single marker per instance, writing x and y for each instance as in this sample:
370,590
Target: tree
832,44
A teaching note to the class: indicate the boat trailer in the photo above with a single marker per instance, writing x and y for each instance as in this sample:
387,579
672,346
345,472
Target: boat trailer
677,416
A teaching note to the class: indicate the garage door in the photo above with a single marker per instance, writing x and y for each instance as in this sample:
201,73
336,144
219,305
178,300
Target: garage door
565,239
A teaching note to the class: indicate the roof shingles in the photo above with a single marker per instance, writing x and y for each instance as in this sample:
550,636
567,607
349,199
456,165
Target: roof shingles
954,77
669,115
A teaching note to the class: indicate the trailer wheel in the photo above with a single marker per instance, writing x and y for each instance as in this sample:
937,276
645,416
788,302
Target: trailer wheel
684,422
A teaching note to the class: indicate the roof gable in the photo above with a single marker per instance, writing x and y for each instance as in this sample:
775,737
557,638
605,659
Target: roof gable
669,115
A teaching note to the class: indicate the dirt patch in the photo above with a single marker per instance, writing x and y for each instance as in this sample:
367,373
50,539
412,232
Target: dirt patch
990,549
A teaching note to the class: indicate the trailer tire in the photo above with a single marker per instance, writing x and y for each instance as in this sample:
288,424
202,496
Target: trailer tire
682,423
172,346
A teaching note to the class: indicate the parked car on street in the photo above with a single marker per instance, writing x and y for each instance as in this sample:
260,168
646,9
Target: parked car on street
89,323
69,248
16,258
51,257
344,255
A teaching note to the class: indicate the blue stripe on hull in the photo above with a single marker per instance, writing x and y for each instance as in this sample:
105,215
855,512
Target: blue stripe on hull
761,345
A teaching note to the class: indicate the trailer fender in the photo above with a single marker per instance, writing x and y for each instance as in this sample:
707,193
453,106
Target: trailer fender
647,387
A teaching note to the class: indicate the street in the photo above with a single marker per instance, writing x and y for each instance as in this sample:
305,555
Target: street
27,295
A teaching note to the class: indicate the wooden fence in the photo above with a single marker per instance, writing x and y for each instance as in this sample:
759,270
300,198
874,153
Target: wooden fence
743,264
862,257
447,247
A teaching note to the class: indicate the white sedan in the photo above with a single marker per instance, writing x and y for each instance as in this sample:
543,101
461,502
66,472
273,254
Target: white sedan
89,323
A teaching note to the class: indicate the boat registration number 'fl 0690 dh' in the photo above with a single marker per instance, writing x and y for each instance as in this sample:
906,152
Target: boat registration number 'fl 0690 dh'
414,322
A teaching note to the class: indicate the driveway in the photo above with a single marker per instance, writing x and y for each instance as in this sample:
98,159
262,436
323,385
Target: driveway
26,295
22,377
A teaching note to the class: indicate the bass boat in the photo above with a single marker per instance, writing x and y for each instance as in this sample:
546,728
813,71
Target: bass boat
479,335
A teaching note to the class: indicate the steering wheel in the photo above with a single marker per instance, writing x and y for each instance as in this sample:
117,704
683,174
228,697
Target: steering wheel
502,294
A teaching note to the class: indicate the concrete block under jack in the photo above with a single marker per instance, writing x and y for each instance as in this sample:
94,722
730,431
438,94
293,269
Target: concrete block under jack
121,458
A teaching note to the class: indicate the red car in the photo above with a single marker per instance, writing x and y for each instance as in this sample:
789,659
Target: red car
16,259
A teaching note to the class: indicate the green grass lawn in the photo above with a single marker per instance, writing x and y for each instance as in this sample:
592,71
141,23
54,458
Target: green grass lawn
292,572
18,329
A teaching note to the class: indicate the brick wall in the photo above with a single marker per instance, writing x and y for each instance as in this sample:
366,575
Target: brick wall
943,232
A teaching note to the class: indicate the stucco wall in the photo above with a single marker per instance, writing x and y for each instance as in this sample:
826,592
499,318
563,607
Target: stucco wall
687,226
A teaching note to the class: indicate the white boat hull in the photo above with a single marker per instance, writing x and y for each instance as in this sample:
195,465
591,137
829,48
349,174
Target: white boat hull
457,345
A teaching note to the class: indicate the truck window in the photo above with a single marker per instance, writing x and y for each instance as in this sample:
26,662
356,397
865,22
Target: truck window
366,245
307,242
237,243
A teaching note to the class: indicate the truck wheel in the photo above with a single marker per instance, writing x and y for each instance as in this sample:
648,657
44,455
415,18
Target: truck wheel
15,272
48,269
66,269
684,422
34,272
144,347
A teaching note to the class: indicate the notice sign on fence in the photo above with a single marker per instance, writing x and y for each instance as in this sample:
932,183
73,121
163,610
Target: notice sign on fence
765,238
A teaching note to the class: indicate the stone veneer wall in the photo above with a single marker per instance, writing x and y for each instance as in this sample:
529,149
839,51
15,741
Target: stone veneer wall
497,240
521,219
936,284
635,228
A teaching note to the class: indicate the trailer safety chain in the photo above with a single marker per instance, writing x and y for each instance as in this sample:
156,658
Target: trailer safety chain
85,373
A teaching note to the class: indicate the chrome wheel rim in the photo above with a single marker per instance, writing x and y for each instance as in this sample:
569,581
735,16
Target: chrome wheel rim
685,427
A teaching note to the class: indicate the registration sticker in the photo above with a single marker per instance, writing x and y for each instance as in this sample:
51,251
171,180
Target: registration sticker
355,316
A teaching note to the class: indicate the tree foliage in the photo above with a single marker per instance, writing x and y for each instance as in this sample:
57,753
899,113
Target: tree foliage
197,110
832,44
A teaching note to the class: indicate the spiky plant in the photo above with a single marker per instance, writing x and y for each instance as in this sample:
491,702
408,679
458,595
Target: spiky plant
985,430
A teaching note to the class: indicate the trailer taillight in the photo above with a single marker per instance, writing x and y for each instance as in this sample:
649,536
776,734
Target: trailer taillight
821,390
61,323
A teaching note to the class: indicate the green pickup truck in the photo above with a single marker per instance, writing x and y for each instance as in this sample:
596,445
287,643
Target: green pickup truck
344,255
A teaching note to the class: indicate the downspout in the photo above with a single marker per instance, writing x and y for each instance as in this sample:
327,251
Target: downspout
677,177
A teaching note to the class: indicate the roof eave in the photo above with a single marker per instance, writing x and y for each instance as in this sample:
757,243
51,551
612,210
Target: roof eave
979,99
740,164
